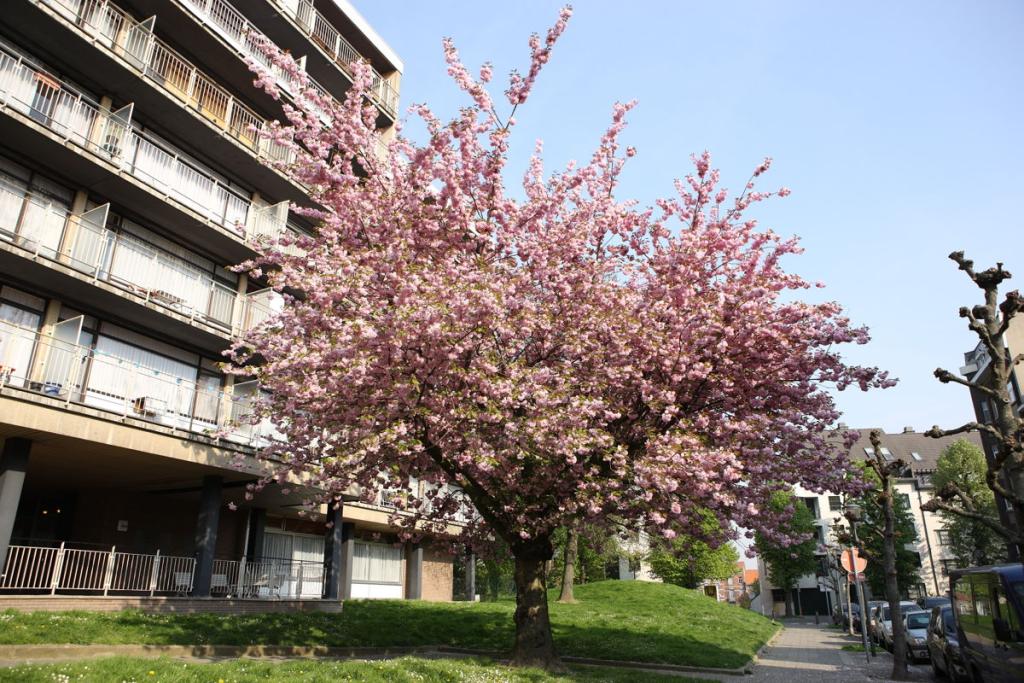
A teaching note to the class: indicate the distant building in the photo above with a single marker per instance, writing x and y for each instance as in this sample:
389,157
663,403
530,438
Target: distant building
921,455
731,589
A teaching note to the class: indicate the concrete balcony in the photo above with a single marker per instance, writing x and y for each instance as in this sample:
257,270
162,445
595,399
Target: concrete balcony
104,47
61,251
78,378
332,57
51,122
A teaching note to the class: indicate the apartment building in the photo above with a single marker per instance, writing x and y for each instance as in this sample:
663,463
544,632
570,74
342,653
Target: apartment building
745,582
132,177
976,367
935,559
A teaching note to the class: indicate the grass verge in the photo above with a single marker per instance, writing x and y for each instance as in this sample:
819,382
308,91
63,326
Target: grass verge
409,669
623,620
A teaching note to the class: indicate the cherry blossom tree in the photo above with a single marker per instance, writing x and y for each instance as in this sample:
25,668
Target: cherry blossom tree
553,355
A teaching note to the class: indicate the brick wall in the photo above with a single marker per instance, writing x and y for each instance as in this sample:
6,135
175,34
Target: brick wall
61,603
437,575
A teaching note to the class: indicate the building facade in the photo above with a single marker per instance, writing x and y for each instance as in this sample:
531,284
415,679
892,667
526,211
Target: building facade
132,177
741,586
817,593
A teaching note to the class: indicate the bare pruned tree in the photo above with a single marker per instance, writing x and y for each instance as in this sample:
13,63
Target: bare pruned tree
1005,475
887,470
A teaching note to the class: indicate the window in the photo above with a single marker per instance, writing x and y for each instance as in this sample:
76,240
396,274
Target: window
986,411
869,451
904,499
812,504
947,566
943,535
916,456
377,563
924,481
887,454
835,503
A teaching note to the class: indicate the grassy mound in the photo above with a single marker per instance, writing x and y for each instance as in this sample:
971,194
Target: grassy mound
623,620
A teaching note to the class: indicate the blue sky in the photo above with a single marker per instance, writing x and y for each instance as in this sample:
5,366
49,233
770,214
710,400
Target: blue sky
899,126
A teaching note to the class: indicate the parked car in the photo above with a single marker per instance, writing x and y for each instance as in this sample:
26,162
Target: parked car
870,621
988,603
916,624
944,645
927,603
883,627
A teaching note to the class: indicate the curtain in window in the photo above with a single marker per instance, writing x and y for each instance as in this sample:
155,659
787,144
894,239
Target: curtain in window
18,82
12,196
377,563
72,117
17,329
153,164
144,378
42,226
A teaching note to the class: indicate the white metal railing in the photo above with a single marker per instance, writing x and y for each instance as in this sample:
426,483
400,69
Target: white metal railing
268,578
129,263
258,307
238,31
81,375
63,569
39,95
135,43
74,570
323,34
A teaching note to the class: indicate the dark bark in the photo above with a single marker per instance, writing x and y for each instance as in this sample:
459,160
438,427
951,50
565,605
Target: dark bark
534,646
892,589
569,569
789,602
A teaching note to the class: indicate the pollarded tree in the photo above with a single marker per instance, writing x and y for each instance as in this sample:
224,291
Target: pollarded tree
555,354
1004,473
972,542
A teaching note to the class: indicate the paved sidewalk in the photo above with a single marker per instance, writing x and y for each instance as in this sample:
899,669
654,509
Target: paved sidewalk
806,652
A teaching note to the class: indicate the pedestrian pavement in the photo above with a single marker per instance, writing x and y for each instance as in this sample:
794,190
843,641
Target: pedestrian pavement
806,652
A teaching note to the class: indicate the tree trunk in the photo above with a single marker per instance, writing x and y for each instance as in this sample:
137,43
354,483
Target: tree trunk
892,590
789,602
534,646
569,570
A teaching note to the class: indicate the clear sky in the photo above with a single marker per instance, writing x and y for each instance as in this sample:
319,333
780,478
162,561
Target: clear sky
899,127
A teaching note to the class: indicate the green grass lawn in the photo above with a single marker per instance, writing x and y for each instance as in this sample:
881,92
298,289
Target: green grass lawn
399,670
626,620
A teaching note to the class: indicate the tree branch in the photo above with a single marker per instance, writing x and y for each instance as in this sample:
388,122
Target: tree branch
945,376
936,504
937,433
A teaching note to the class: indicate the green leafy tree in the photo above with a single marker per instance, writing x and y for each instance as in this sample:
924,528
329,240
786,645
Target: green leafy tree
687,561
786,564
972,541
871,530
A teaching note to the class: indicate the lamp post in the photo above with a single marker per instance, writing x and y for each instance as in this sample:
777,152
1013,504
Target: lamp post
853,514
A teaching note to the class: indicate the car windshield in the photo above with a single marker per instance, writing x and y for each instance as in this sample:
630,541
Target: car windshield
948,621
908,608
917,620
885,614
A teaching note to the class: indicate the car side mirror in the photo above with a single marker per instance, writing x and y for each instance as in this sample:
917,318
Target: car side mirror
1002,630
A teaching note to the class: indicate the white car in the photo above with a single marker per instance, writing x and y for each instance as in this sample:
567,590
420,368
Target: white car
916,623
884,628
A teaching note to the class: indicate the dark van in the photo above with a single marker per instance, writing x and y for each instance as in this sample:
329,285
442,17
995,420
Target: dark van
989,607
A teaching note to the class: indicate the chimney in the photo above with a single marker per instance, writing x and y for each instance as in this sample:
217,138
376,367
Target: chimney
908,430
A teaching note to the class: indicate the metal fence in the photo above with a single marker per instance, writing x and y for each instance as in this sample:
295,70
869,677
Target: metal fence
65,570
37,569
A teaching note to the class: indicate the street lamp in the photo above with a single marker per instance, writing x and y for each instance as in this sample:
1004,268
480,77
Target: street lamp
853,514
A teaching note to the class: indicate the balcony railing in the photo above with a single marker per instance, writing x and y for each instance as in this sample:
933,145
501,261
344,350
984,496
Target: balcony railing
42,97
323,34
37,569
82,242
243,35
61,570
62,369
135,43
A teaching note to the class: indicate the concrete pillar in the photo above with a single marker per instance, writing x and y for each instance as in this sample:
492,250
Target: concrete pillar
257,527
13,464
206,534
333,547
414,572
348,553
470,576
